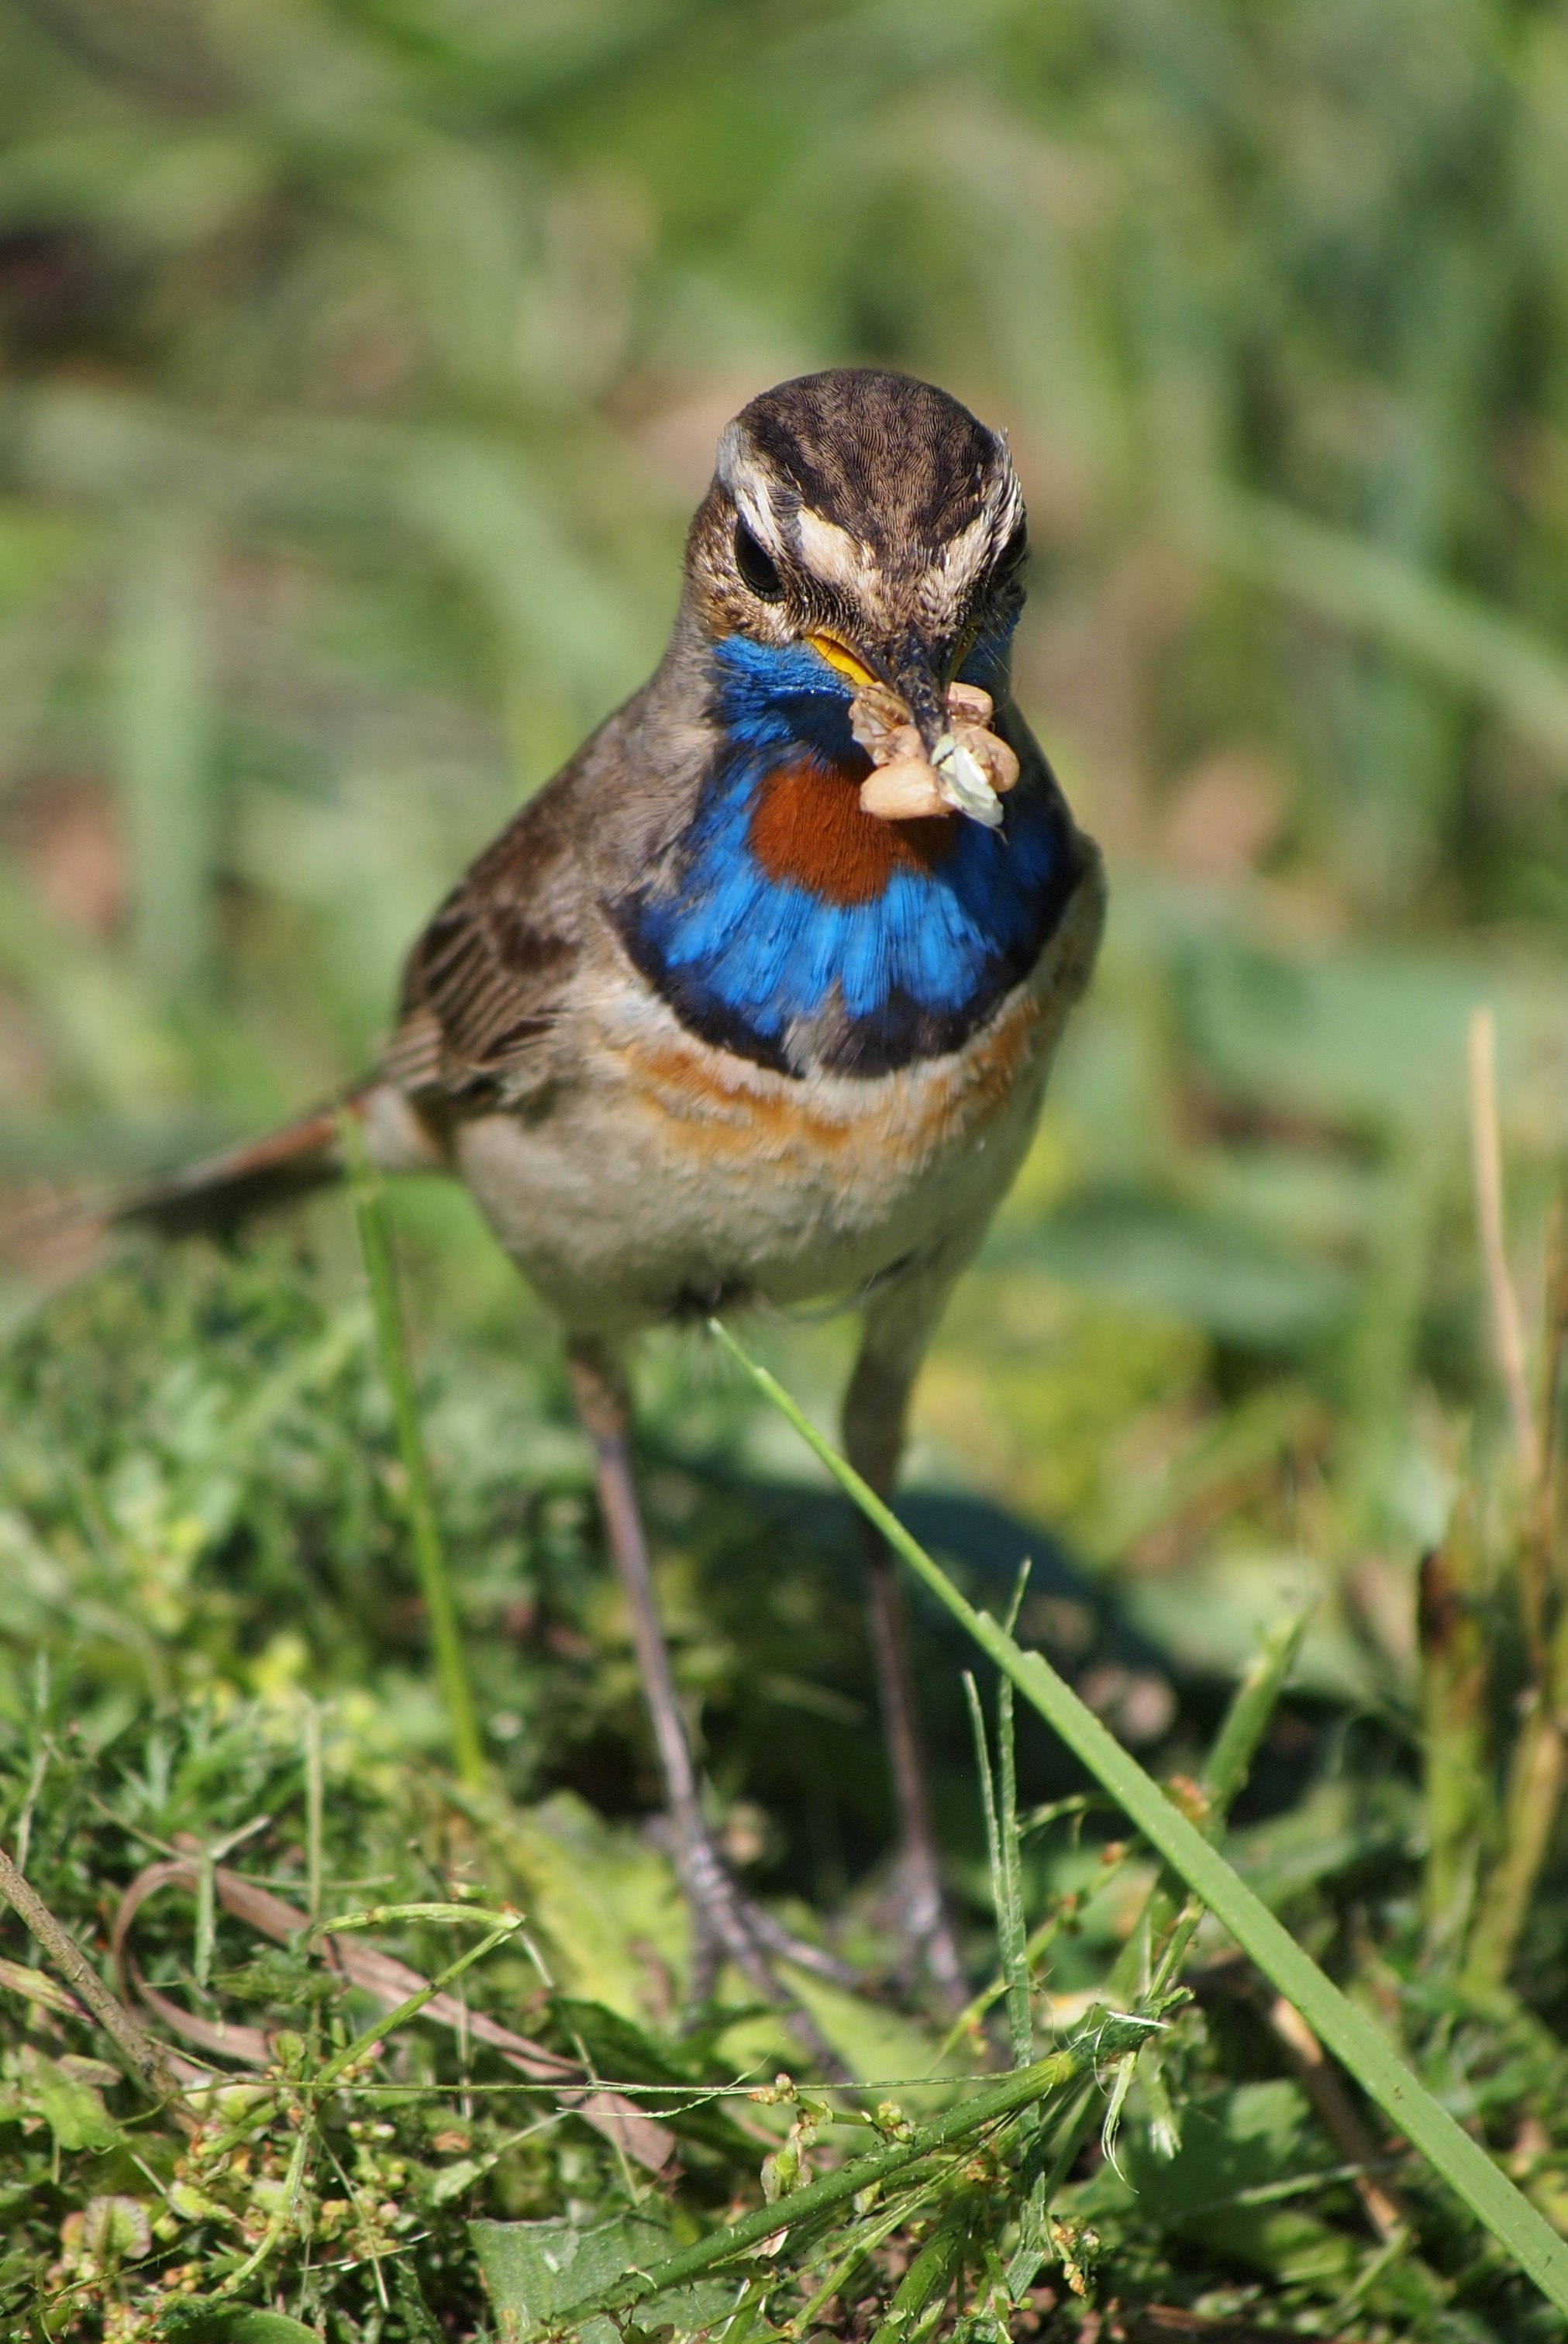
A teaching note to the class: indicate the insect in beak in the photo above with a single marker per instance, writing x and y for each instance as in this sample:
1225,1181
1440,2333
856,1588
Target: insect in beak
928,741
963,780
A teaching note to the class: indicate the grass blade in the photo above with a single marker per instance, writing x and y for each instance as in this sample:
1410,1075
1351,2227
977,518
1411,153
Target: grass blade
1250,1712
1024,2088
1158,1946
1013,1931
1014,1934
1006,1886
390,2020
1463,2164
430,1547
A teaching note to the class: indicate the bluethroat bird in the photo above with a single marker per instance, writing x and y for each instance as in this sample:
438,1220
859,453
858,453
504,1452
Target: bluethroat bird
756,1002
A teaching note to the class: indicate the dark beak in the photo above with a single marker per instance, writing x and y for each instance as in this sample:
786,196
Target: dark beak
918,671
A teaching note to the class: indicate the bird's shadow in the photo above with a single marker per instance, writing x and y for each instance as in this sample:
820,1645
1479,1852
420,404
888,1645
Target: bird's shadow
781,1573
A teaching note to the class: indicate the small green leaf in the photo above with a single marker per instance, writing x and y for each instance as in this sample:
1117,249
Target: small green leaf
73,2110
453,2179
1231,2144
212,2322
533,2269
116,2229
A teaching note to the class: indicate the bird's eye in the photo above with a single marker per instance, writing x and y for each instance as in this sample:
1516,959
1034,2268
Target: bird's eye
757,566
1014,554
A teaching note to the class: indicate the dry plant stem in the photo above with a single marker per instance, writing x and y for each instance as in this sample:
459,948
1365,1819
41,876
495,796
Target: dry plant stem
1538,1565
389,1983
1486,1156
1538,1774
1319,2080
144,2059
1540,1762
1535,1785
1556,1314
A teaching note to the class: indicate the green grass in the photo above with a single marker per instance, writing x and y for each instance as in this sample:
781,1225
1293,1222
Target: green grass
361,362
200,1461
1345,2030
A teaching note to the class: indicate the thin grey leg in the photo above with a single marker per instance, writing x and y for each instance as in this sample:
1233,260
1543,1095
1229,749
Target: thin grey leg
727,1923
874,1412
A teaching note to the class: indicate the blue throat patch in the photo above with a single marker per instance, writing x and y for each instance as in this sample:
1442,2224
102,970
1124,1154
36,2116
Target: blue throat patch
790,927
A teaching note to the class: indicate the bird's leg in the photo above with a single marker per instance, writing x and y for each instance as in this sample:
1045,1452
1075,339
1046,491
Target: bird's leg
875,1408
728,1925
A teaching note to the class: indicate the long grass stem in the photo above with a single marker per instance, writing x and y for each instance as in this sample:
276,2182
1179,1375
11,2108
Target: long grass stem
1486,1158
1154,1952
1026,2087
1534,1795
1348,2032
418,1495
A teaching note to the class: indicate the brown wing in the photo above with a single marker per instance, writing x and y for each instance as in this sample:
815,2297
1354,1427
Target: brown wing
483,988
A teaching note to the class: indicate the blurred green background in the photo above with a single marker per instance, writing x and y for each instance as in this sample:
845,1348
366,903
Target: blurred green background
362,361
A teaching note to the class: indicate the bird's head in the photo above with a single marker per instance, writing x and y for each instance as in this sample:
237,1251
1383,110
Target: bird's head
867,523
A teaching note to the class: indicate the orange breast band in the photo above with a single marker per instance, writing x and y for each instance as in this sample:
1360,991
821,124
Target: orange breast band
807,830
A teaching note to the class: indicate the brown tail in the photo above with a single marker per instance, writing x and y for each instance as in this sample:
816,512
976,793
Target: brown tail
213,1197
54,1244
57,1242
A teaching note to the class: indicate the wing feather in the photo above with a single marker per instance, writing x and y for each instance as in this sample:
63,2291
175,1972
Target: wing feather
484,987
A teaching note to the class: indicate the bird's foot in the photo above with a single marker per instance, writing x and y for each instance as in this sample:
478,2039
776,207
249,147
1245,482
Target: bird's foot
913,1907
730,1927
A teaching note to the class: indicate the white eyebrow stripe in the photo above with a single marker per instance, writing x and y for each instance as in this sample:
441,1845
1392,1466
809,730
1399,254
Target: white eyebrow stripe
831,554
964,555
748,484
